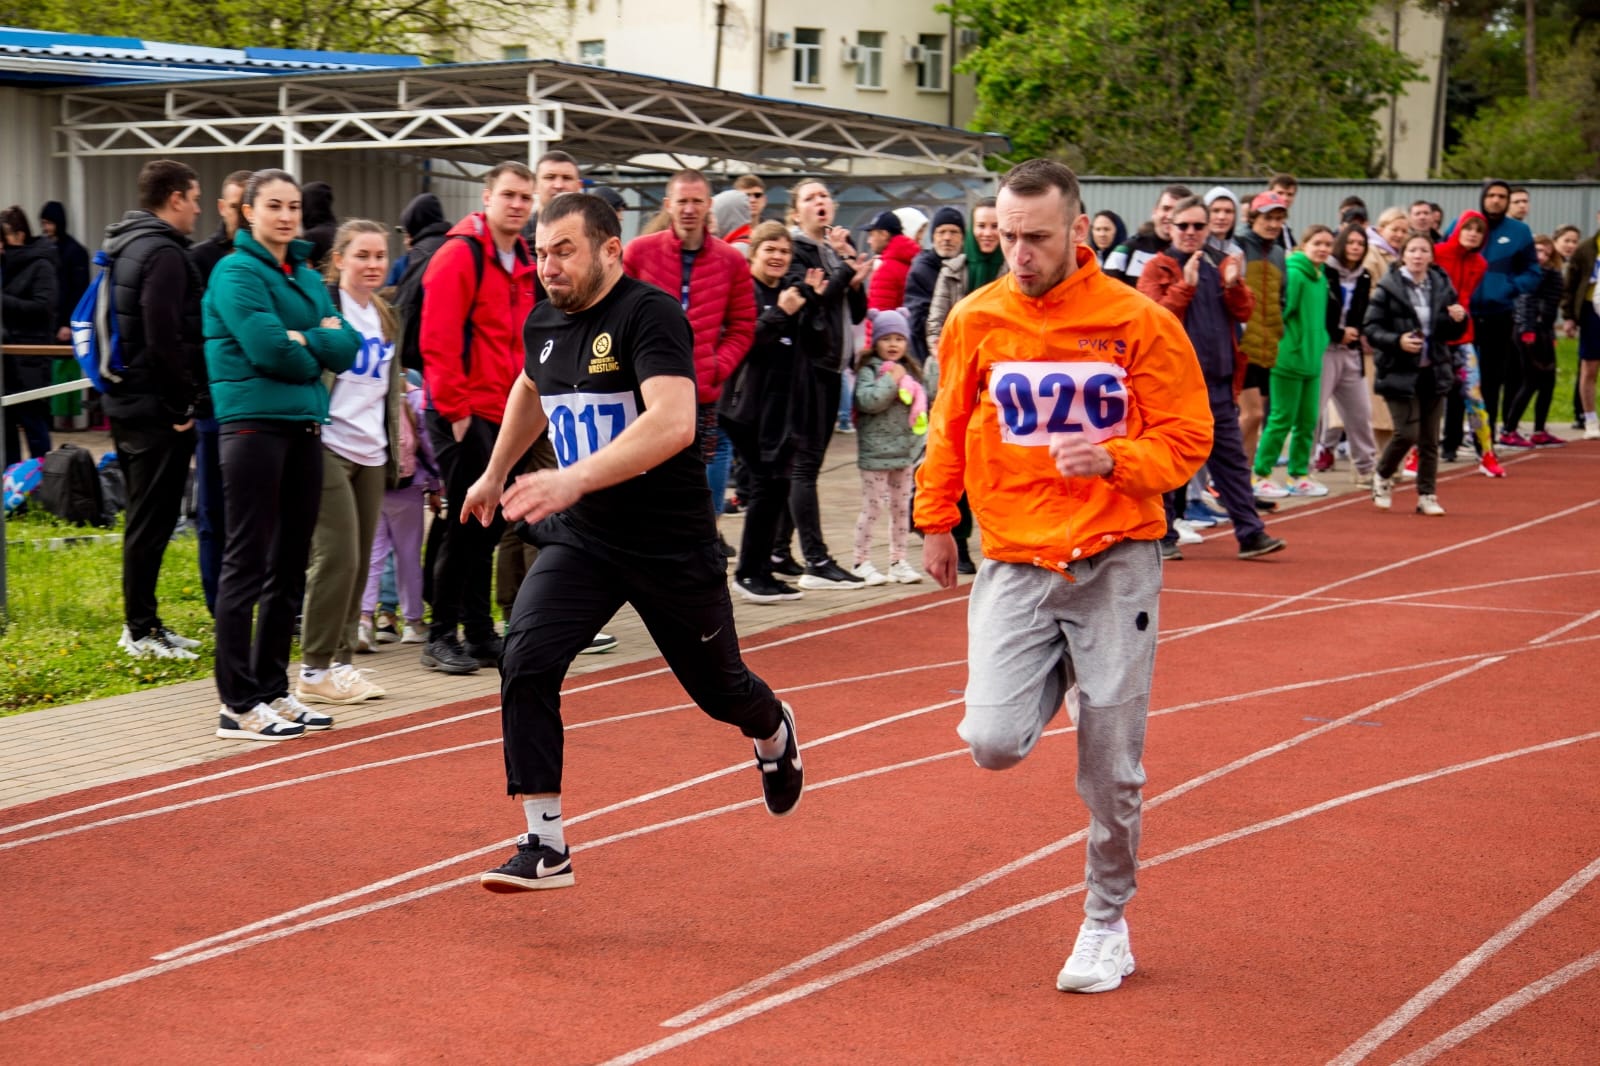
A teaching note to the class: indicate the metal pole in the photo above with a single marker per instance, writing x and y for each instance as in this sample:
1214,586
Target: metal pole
716,62
5,435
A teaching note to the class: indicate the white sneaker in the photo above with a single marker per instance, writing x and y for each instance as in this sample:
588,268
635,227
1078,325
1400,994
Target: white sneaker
1186,532
1267,489
178,641
294,712
366,640
337,687
1429,505
903,573
355,677
1307,486
1382,492
1100,959
153,646
1591,431
413,635
869,575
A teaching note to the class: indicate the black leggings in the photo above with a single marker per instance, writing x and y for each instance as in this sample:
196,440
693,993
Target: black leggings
1538,384
765,498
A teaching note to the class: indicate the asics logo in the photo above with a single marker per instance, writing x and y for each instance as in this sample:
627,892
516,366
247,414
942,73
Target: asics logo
544,353
541,870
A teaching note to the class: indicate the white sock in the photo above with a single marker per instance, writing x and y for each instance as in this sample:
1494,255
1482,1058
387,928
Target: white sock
544,821
313,676
1118,926
1591,417
773,747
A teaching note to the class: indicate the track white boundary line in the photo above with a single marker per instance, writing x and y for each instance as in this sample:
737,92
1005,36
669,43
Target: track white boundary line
574,690
821,984
1379,1034
1500,1011
1585,620
855,940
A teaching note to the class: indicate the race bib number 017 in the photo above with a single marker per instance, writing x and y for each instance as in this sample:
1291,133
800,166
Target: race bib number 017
581,423
1038,399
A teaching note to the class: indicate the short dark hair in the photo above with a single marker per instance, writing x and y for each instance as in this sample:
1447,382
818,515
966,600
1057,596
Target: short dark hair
680,176
1352,201
1036,177
1421,203
1519,188
1435,208
160,178
1177,192
1283,181
14,218
749,183
599,219
1189,202
510,166
240,178
556,155
252,188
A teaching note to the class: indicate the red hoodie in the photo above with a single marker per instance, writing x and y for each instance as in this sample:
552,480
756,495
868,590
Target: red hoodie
497,314
886,291
1465,268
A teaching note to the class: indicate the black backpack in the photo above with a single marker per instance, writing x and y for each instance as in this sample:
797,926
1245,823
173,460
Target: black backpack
70,488
407,301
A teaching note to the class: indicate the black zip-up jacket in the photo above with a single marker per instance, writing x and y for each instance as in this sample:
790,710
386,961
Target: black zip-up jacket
31,293
763,391
921,279
156,293
824,343
208,253
1390,316
1338,317
1536,312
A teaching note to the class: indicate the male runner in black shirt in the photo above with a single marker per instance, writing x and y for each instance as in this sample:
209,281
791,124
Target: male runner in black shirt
626,517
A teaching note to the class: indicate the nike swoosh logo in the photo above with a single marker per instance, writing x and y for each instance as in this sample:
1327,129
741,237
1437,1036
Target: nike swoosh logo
542,870
711,635
551,817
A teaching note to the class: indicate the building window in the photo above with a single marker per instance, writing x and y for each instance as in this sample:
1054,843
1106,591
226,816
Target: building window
592,53
869,67
930,72
807,57
514,51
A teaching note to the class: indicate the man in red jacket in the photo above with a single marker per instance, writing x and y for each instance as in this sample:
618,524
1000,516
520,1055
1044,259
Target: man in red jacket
478,291
713,286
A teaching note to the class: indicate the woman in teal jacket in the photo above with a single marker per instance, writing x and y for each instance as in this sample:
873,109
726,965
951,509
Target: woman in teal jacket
1297,374
271,331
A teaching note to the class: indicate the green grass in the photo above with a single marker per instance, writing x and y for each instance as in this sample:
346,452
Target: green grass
60,640
1566,383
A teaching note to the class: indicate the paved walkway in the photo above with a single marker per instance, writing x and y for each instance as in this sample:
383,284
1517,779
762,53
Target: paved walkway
49,752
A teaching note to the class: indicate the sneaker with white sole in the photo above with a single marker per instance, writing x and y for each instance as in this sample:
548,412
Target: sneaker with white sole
829,575
366,638
1408,469
1428,504
387,630
258,723
414,634
1362,481
352,675
903,573
1382,492
1187,534
1306,486
602,642
1267,489
291,710
535,866
870,575
336,687
783,778
153,645
1100,959
1591,431
177,640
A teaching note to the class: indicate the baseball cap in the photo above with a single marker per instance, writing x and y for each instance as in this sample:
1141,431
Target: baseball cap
1268,201
885,220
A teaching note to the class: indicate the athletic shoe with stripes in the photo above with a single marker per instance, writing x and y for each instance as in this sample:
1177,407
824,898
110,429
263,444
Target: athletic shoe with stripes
1100,959
294,712
535,866
258,723
782,779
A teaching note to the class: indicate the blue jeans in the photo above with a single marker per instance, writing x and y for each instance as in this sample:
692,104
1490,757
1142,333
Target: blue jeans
847,397
717,471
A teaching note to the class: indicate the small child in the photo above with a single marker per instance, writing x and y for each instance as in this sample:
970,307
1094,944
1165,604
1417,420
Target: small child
1535,331
891,414
400,524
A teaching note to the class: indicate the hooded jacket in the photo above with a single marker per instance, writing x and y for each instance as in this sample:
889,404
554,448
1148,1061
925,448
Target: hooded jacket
1305,318
156,293
486,317
824,339
1464,268
886,289
884,438
1119,236
722,310
257,371
1513,264
731,209
1028,512
1263,272
72,276
31,297
317,222
1398,373
1353,315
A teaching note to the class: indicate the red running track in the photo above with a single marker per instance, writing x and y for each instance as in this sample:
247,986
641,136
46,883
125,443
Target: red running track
1370,837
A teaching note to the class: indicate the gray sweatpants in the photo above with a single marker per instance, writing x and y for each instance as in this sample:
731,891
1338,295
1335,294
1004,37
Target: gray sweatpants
1031,634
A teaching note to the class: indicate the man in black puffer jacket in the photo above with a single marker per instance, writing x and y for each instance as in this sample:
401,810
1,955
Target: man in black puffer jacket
29,272
156,296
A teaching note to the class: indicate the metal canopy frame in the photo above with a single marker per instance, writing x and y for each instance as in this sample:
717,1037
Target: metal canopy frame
466,114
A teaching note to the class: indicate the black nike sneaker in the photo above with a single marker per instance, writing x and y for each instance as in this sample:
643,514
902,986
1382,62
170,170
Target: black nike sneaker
533,867
782,778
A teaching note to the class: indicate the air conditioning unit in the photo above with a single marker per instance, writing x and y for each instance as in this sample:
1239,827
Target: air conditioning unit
850,55
967,38
777,41
915,53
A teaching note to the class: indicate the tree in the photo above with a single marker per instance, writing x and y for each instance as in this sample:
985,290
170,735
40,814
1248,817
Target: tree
1209,86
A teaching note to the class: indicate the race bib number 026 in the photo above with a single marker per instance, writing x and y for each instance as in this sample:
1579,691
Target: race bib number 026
581,423
1038,399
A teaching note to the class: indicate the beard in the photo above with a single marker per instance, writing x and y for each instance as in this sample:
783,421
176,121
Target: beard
585,288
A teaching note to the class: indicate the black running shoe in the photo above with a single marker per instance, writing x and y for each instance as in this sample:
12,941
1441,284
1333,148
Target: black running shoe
786,566
782,778
448,656
487,652
1258,544
759,589
532,868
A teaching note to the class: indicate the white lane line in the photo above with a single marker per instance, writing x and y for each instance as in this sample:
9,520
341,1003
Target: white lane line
362,767
1500,1011
1386,568
855,940
388,882
329,749
1585,620
1417,1004
821,984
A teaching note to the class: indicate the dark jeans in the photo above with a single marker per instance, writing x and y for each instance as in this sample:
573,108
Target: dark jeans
765,498
209,521
30,421
1416,423
1499,366
805,514
272,475
1538,384
463,563
1229,466
155,468
568,595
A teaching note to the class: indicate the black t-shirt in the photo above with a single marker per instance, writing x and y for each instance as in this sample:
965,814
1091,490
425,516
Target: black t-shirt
588,367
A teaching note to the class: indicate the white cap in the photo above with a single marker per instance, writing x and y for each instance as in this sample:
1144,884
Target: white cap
911,221
1220,192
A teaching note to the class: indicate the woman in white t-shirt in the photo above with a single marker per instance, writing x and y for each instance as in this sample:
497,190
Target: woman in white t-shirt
358,464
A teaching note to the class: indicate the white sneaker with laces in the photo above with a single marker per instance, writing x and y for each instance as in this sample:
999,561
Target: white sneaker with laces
1307,486
153,646
178,640
294,712
355,678
337,687
1186,531
1267,489
1100,959
413,635
1428,504
258,723
1591,431
903,573
366,639
870,575
1382,492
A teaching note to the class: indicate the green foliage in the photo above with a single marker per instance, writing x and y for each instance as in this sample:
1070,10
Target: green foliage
1529,139
1211,86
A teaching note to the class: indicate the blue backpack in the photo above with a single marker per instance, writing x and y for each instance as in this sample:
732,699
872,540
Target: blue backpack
95,341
